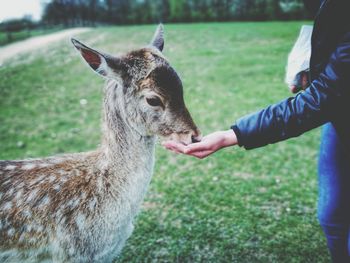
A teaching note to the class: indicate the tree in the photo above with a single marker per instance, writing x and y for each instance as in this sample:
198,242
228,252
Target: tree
180,10
88,12
16,25
273,9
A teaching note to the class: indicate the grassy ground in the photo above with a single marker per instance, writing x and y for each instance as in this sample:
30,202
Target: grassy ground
236,206
21,35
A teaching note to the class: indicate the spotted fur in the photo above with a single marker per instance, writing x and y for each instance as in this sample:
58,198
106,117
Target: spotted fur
80,207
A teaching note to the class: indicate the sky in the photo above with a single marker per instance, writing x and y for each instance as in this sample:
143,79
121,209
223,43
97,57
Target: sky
19,8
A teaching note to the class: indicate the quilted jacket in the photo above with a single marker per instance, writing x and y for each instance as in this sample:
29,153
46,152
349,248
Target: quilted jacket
327,98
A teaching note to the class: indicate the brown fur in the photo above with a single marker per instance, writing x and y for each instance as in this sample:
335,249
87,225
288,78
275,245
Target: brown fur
80,207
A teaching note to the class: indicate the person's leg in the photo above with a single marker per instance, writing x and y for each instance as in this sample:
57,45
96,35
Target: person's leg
349,241
334,195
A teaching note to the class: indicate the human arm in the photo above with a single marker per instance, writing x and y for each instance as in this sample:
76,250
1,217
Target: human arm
318,104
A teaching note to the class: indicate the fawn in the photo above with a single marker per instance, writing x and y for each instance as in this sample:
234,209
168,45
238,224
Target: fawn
80,207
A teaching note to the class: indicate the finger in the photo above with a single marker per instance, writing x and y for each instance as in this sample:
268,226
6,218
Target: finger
168,146
195,147
173,150
304,80
174,146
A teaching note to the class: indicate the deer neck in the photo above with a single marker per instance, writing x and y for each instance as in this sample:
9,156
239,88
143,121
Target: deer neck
123,146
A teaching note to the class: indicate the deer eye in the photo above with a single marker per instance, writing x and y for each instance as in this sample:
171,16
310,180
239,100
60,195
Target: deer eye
154,101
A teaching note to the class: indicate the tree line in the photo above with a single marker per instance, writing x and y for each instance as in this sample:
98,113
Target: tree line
92,12
70,13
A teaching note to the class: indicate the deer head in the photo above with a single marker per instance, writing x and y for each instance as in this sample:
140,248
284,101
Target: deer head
146,91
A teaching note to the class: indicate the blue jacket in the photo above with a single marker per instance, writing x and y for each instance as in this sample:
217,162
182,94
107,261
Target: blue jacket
327,99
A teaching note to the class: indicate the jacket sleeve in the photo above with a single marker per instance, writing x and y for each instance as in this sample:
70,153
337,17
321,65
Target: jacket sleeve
307,110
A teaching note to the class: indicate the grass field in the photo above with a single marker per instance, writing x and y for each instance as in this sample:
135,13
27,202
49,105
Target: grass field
235,206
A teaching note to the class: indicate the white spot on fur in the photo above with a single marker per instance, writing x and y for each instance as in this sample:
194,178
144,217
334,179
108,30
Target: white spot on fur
10,192
73,202
11,232
28,228
18,197
63,179
44,201
43,165
99,184
28,166
80,221
5,223
32,195
27,213
22,237
6,182
52,178
38,228
92,204
32,240
61,172
19,194
57,187
71,251
76,172
10,167
7,206
57,160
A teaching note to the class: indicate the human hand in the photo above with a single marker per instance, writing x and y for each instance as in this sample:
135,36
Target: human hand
303,82
208,145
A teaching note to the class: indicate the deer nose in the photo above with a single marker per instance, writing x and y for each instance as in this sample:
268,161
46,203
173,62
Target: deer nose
196,137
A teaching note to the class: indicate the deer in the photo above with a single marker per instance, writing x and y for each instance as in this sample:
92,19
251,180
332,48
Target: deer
80,207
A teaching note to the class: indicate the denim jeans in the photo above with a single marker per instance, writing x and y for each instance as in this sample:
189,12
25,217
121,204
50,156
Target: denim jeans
334,195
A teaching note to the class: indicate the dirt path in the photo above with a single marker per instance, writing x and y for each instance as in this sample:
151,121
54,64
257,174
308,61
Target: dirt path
36,42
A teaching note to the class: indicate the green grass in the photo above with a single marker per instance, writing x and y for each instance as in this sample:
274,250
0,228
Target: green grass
24,34
235,206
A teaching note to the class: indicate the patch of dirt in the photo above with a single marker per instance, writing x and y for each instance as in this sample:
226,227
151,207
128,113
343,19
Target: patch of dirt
33,43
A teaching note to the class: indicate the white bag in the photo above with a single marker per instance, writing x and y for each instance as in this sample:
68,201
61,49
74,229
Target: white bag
299,57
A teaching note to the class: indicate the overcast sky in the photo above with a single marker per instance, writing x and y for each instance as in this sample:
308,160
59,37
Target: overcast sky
19,8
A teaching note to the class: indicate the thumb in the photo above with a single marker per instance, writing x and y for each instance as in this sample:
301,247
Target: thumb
294,89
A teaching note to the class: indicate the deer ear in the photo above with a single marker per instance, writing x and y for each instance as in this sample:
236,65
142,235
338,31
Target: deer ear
99,62
158,38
